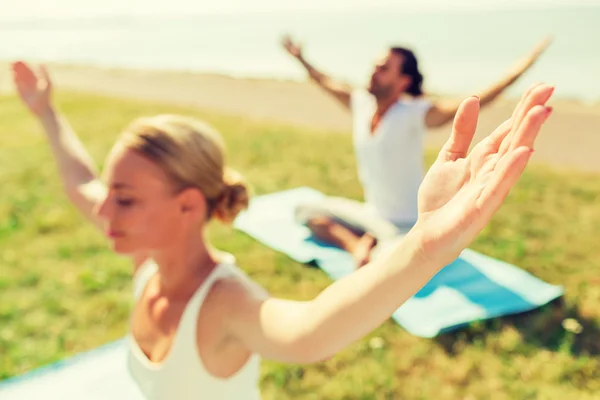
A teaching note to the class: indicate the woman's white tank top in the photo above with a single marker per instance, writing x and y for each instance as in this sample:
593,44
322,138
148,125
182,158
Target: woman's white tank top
182,375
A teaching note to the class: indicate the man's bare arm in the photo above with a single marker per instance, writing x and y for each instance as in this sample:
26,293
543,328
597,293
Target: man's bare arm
339,90
443,112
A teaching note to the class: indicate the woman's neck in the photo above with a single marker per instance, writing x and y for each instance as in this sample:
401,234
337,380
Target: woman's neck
184,265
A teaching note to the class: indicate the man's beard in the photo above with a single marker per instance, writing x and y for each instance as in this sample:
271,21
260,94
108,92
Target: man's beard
380,92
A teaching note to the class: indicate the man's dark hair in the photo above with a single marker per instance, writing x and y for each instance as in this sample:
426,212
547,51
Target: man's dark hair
410,67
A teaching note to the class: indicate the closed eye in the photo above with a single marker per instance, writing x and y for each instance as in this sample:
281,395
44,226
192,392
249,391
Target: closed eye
125,202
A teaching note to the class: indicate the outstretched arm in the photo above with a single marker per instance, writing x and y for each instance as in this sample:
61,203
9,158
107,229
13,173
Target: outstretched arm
338,90
76,167
458,197
443,112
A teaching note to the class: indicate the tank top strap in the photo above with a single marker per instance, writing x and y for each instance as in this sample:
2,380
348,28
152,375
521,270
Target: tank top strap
141,277
186,331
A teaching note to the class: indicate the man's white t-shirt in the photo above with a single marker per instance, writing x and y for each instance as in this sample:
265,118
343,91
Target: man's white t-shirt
390,161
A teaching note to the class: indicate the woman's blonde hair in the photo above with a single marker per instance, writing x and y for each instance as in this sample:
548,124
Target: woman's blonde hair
192,154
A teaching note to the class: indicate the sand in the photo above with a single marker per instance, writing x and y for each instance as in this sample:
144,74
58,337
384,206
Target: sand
570,139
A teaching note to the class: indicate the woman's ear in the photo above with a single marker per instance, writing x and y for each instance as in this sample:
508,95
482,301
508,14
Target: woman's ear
192,202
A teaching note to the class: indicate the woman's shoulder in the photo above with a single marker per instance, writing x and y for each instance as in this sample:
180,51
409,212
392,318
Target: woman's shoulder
234,287
234,280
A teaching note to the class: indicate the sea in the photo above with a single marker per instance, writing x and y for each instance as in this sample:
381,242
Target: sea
459,51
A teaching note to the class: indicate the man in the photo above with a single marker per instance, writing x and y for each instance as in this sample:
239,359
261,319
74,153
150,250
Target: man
390,120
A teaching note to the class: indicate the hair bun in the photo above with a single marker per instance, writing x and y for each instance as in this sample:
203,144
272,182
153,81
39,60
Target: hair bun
234,198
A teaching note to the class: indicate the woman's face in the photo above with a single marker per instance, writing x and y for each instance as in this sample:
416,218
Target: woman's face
142,211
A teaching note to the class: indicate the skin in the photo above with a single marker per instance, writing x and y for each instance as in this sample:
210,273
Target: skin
387,84
147,220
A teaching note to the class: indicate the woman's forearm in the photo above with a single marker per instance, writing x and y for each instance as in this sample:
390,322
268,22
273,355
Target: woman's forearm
353,306
75,165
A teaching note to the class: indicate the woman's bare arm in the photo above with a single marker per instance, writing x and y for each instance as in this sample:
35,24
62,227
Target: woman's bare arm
76,167
458,197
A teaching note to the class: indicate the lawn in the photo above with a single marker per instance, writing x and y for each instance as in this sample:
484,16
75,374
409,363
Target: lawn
62,291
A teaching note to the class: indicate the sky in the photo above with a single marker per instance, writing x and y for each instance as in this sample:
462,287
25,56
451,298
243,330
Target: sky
26,9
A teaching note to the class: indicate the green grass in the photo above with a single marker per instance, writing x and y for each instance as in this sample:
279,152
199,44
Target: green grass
62,291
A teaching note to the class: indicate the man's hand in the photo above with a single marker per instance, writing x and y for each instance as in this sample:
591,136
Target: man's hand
294,49
443,113
340,91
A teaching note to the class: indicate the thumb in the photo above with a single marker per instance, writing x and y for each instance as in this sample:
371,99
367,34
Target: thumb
44,73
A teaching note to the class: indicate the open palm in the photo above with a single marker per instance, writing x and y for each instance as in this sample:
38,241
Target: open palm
293,48
461,192
35,91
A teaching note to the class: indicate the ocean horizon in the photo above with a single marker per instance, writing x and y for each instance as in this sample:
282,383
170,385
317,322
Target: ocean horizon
459,51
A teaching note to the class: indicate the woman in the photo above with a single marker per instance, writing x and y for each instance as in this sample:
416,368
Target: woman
199,326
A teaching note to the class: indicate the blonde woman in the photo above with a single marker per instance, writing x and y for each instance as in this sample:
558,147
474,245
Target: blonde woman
199,326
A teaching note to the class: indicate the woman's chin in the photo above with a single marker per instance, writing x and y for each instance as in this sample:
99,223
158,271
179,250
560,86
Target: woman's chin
122,248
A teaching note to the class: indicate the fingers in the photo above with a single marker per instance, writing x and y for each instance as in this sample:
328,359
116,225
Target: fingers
538,95
45,76
20,70
22,74
18,65
511,166
463,130
530,128
502,181
522,100
498,135
288,43
494,141
485,155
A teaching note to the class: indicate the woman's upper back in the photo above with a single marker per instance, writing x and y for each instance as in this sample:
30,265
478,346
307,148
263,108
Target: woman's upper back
183,374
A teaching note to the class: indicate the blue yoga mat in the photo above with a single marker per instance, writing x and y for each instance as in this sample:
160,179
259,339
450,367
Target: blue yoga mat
98,374
474,287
